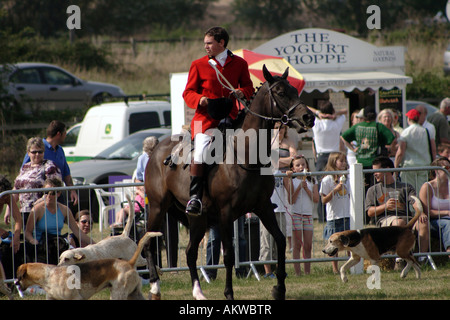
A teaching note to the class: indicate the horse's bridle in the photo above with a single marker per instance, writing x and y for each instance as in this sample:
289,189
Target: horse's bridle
273,102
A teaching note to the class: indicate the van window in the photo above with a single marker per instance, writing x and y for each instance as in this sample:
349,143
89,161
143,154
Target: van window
143,120
72,137
167,118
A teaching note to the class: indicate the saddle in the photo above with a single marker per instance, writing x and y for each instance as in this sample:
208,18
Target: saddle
182,151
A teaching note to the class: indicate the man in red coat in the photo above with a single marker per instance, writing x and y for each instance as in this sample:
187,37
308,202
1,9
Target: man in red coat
212,101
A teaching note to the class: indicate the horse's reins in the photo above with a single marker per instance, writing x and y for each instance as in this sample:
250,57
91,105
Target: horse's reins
284,118
273,102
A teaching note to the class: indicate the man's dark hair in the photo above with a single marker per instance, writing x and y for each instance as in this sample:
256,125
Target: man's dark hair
218,33
384,162
326,107
54,127
370,114
5,184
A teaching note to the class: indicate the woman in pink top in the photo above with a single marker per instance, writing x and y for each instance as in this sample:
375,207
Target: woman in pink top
139,203
435,197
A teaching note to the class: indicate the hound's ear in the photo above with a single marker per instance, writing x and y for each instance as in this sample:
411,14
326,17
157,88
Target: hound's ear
78,256
344,240
267,75
286,73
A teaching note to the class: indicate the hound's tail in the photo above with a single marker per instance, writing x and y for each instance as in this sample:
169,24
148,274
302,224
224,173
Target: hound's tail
127,229
418,212
141,244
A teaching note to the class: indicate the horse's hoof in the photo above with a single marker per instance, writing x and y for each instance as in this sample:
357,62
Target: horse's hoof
278,294
156,296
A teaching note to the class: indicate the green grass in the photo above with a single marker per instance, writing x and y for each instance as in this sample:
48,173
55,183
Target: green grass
321,284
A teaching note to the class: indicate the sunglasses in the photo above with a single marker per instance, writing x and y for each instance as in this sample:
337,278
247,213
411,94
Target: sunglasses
37,151
51,193
85,221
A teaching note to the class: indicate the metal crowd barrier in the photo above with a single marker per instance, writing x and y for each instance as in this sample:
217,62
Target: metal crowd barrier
91,200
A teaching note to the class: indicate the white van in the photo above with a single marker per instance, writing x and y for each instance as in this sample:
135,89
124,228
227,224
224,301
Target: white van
108,123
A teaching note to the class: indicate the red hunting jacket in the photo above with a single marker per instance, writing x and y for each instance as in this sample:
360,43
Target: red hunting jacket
202,81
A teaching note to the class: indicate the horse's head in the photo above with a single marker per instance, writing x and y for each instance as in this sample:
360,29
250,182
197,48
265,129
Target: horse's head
286,104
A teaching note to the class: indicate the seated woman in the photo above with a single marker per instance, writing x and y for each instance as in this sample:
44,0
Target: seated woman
47,220
435,197
84,221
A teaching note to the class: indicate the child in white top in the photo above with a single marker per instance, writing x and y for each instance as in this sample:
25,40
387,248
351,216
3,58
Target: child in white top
335,193
301,193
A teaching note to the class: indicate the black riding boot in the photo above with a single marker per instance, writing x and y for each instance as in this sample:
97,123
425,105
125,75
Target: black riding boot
194,206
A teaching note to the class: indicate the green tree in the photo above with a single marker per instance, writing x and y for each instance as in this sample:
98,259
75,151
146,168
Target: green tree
352,14
268,15
119,17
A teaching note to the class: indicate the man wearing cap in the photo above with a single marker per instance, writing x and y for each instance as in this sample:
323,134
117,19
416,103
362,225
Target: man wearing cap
212,101
369,136
429,127
414,150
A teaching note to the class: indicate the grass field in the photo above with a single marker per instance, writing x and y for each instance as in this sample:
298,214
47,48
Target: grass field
321,284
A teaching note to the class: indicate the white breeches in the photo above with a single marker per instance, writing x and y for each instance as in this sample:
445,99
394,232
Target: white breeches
201,142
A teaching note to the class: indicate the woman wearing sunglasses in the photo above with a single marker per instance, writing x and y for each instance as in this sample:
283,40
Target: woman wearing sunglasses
48,216
32,176
84,221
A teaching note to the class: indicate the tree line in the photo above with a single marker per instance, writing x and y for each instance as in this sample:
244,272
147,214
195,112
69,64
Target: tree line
124,18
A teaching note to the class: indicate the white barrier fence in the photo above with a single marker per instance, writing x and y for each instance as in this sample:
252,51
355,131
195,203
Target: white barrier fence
103,206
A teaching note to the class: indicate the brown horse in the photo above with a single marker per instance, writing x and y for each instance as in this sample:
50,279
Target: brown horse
231,190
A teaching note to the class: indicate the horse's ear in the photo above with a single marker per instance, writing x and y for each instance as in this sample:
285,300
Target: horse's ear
285,74
267,75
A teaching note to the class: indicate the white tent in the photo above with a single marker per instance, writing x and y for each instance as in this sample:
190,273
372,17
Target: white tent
330,60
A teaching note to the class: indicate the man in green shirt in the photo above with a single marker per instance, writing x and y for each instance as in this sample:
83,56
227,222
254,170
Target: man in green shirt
370,137
439,120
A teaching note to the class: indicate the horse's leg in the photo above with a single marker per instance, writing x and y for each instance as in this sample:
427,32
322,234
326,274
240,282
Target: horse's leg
197,231
226,229
267,217
155,218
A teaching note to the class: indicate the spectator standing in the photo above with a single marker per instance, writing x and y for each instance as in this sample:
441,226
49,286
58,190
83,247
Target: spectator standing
386,117
56,134
414,150
430,128
286,151
440,122
32,175
396,122
327,131
147,148
352,147
8,200
301,193
335,193
370,137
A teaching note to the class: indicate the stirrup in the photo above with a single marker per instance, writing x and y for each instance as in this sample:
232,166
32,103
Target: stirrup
194,207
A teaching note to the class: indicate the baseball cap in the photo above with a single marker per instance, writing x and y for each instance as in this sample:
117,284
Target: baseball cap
413,114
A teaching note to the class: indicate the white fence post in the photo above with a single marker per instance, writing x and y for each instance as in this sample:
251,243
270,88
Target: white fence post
357,194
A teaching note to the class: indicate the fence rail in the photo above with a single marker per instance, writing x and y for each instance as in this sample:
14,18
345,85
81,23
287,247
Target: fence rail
103,207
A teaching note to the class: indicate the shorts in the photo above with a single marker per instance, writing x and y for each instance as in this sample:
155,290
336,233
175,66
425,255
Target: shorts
388,220
334,226
302,222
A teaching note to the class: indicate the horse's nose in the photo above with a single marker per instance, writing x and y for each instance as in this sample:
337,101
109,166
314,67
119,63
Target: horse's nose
308,118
